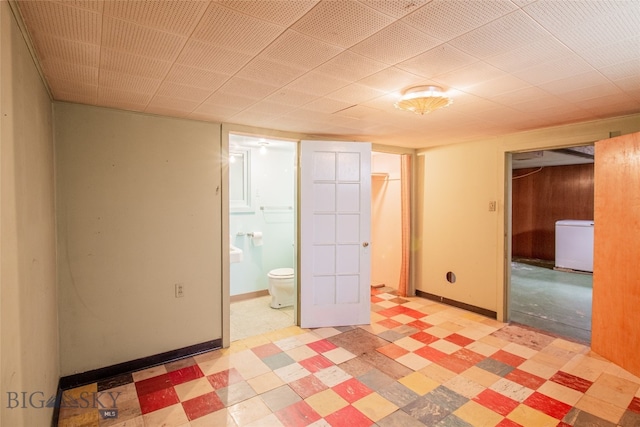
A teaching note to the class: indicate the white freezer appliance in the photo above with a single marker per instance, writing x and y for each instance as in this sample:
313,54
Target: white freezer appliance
574,245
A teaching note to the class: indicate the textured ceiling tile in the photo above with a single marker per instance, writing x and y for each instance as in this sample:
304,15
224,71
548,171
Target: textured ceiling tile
341,23
298,50
623,70
219,99
62,20
357,112
439,60
391,79
350,64
315,83
527,94
272,108
629,84
622,51
395,8
196,77
395,43
576,96
575,82
218,113
139,40
67,88
326,105
270,72
470,75
128,82
84,54
178,17
279,12
233,30
247,88
113,97
355,93
290,97
554,70
122,62
446,19
500,85
183,92
499,36
558,16
79,98
530,54
202,55
62,70
170,103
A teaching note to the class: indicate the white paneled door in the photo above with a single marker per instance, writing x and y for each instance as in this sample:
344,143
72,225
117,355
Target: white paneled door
335,222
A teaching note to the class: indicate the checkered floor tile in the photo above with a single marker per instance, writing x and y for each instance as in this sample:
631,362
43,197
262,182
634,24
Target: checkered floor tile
418,363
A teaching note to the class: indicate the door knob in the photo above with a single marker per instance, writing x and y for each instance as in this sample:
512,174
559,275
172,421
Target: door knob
365,244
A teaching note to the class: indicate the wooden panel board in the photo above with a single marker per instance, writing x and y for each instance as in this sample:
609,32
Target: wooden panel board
616,274
544,197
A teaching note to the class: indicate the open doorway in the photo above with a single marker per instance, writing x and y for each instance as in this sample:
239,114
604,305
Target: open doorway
552,189
262,227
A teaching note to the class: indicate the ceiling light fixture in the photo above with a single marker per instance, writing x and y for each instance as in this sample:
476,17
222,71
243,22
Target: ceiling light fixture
423,99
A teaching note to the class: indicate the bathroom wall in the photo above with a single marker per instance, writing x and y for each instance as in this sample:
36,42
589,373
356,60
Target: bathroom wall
386,225
272,178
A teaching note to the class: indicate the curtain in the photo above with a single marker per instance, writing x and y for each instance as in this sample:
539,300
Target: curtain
405,194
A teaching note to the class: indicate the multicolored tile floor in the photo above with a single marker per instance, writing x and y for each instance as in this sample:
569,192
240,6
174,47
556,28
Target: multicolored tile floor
419,363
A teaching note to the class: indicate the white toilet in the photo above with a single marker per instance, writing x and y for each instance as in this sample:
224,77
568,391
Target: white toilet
281,287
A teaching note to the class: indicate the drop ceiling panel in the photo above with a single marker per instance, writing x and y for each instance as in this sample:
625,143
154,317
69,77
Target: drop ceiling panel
315,83
198,54
446,19
391,80
290,97
350,64
395,43
183,92
62,70
196,77
530,54
283,13
128,82
341,23
270,72
79,53
516,64
355,93
622,51
62,20
129,100
500,36
546,72
236,31
439,60
298,50
114,60
138,40
178,17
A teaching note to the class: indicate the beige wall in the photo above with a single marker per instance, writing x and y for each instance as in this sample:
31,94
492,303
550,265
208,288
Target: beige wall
458,233
138,211
29,323
386,221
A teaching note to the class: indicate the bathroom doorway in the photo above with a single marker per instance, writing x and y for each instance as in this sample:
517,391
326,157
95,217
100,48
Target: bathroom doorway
262,227
387,220
550,186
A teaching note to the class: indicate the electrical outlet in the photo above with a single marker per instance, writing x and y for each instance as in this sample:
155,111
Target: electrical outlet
492,206
179,290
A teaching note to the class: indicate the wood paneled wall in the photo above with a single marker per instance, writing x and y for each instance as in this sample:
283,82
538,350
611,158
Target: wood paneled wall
542,198
616,275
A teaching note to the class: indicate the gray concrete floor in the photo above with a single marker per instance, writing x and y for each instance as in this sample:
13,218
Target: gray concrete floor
558,302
